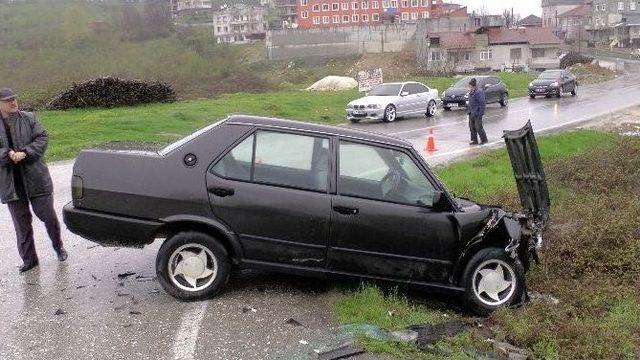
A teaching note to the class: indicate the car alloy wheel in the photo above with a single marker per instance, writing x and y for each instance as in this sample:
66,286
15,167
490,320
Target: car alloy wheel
492,278
192,267
494,282
390,113
431,109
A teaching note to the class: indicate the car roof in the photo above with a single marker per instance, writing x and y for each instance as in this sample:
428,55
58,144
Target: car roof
316,128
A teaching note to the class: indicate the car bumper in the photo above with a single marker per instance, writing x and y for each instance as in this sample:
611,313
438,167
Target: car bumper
543,91
457,102
109,230
365,114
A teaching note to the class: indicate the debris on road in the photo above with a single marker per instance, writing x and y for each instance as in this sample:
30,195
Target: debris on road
248,309
143,278
429,334
303,342
154,291
509,351
405,336
546,298
121,294
294,322
59,312
342,351
81,286
133,312
126,275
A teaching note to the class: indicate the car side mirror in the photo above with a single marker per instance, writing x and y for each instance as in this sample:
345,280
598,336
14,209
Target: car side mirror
404,93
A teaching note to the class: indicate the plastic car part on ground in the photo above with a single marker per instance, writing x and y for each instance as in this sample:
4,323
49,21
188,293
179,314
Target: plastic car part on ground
334,83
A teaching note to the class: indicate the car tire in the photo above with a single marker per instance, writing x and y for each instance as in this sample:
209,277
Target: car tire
532,96
500,270
504,101
355,121
199,278
559,94
574,92
431,109
447,108
390,114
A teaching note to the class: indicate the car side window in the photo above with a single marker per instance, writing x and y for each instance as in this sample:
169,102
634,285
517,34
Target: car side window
379,173
276,158
419,89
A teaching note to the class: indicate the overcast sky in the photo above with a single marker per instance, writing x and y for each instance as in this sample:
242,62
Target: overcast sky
524,7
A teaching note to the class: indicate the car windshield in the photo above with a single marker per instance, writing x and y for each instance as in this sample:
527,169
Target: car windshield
386,90
549,75
462,83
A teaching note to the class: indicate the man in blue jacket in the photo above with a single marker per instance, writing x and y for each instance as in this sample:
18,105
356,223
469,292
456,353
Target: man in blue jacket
477,105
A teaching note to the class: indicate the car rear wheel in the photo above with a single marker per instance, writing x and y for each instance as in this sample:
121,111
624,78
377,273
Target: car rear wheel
390,113
431,109
492,279
192,265
504,101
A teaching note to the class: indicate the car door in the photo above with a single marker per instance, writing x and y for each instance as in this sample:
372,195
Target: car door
405,102
422,98
491,89
382,224
271,190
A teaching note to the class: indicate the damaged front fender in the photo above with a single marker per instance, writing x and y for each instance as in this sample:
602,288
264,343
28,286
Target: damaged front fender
517,234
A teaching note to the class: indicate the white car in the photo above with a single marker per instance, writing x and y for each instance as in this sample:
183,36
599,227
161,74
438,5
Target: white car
390,101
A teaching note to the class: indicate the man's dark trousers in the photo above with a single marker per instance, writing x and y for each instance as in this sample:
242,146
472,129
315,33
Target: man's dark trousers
22,221
476,128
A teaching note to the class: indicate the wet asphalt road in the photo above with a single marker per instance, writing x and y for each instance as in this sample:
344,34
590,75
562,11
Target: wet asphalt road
103,316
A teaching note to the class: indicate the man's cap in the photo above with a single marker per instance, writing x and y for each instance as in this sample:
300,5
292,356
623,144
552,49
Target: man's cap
7,94
473,82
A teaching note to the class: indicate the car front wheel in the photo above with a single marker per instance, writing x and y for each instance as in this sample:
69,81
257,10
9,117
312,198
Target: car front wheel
390,113
492,279
431,109
192,265
574,92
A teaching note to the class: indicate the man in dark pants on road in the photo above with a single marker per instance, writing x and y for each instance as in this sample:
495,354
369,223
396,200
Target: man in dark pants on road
24,178
477,105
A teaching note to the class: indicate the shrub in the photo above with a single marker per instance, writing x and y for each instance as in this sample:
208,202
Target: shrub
110,92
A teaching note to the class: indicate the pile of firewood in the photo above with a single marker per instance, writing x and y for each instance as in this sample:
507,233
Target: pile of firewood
111,92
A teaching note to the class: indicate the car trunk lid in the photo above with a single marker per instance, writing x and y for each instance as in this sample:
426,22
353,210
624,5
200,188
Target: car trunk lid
529,172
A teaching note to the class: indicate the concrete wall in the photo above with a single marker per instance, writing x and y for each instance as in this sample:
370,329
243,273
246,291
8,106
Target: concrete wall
344,41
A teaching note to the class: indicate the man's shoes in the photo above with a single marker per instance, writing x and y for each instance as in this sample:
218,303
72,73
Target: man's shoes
62,255
473,143
27,267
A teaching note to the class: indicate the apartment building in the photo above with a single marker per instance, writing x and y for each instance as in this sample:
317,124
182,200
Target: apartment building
239,23
614,22
552,8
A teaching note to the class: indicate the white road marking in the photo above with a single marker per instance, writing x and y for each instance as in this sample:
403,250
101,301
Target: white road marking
184,346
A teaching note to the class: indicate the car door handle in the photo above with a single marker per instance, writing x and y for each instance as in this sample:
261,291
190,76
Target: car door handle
345,210
222,192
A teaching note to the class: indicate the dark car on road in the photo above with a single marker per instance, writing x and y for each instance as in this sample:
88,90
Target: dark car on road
458,94
253,192
554,83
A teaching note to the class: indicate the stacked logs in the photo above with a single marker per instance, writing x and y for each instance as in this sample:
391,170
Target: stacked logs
110,92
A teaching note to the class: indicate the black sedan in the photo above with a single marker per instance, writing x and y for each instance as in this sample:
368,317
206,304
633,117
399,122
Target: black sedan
457,95
553,83
252,192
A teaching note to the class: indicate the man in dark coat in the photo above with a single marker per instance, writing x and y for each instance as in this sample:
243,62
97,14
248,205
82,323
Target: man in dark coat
477,105
25,179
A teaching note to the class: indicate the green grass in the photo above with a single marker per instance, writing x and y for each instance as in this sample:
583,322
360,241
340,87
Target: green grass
589,261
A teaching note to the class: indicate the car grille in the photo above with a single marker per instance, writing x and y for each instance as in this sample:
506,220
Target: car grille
359,107
359,115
